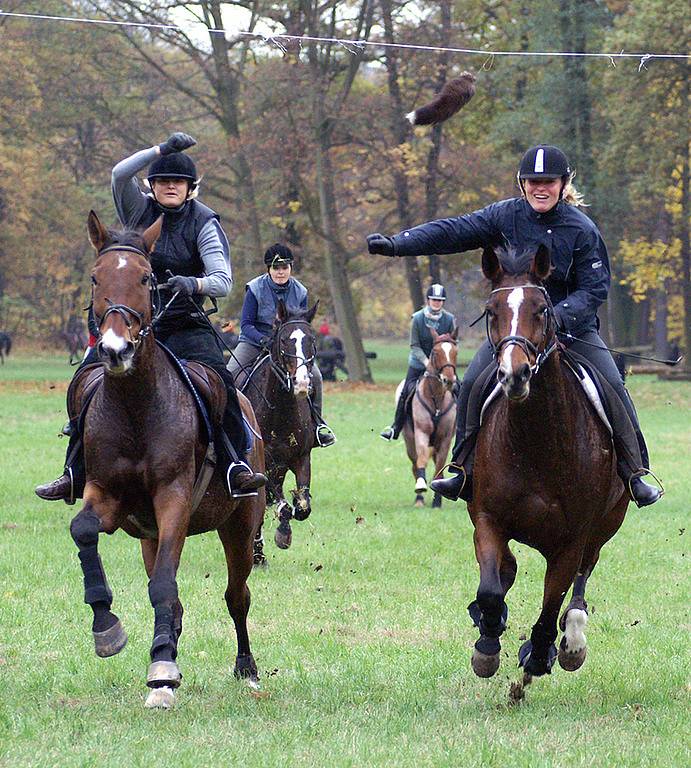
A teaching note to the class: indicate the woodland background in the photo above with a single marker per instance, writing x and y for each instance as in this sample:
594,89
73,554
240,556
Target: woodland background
306,144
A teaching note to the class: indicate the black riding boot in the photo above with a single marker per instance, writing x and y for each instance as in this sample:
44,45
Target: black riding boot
70,485
240,479
460,484
323,432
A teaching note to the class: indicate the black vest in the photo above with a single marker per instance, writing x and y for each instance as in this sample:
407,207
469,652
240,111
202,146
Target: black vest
176,251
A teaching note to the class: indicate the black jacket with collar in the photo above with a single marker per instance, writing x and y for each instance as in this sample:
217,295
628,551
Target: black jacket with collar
580,277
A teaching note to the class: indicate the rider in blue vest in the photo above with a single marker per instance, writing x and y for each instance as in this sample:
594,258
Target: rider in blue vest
546,213
262,295
191,258
433,315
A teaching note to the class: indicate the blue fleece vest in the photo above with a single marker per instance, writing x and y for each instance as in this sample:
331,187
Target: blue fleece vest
267,294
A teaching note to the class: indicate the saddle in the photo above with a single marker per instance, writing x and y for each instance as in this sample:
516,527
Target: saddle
207,390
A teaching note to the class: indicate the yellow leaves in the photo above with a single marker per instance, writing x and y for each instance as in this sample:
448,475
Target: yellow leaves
648,265
294,206
405,157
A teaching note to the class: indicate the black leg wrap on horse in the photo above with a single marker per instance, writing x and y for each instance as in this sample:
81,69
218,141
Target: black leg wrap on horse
163,594
488,629
85,528
489,645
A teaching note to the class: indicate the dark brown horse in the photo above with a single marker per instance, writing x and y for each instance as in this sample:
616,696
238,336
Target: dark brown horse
433,414
144,442
545,473
76,341
278,390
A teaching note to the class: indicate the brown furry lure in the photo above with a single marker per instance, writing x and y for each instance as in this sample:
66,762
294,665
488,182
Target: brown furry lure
454,95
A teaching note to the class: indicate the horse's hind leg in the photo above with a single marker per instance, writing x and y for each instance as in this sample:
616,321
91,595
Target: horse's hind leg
258,557
284,534
109,636
237,536
573,647
537,655
488,611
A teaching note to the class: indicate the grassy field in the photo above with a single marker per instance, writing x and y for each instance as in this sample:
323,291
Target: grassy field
359,630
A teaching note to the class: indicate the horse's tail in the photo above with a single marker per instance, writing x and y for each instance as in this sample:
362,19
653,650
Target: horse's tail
454,95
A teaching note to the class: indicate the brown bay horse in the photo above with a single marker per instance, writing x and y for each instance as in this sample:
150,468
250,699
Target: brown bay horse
144,442
433,426
545,473
279,388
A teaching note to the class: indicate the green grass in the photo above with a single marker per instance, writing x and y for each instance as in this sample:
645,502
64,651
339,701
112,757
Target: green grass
364,661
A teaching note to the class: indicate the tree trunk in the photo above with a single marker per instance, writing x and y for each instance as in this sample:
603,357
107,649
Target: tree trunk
684,232
334,258
401,131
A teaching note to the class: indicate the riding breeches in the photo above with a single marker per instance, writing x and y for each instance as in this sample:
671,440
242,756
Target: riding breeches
628,438
411,379
245,355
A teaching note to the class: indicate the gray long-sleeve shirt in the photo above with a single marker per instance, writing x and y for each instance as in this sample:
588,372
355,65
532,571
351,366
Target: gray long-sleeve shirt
130,203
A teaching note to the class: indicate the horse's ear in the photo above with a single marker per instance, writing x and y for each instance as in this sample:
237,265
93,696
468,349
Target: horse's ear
281,311
491,268
542,264
98,234
152,233
312,312
454,334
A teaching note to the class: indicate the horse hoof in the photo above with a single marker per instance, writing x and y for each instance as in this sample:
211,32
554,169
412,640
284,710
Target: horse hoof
572,648
260,563
163,674
111,641
301,512
484,665
283,540
246,669
419,501
160,698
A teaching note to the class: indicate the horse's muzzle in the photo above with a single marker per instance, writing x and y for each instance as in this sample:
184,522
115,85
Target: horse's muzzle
516,384
116,361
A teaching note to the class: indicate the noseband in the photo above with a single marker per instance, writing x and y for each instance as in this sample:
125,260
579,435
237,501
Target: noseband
277,363
521,341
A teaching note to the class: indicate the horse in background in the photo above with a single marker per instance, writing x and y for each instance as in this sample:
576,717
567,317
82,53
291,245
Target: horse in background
145,441
76,341
545,473
5,346
432,426
278,388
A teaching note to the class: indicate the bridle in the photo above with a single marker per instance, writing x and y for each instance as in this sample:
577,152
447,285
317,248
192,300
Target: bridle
277,357
548,330
126,312
438,370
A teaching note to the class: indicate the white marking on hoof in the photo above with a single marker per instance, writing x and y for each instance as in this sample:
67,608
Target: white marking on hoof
576,620
253,684
420,485
160,698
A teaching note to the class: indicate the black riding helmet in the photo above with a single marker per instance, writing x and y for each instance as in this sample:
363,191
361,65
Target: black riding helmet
437,291
544,162
278,255
176,165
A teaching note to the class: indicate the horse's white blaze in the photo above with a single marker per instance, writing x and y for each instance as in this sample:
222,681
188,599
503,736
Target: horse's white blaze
122,262
447,346
111,340
302,376
514,301
576,620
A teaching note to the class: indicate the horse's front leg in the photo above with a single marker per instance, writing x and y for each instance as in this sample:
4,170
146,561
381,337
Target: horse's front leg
149,549
97,515
537,654
301,496
422,455
489,611
172,509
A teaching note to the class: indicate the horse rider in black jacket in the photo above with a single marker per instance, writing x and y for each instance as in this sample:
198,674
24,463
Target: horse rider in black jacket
546,213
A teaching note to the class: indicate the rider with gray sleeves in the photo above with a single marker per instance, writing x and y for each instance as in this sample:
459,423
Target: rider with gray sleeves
191,258
262,295
546,213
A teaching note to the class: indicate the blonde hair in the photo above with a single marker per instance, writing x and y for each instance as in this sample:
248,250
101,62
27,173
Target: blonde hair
571,195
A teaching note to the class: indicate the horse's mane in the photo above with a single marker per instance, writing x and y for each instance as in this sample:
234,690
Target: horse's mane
125,237
514,263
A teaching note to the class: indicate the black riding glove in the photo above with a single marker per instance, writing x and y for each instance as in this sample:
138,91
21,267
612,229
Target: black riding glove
176,142
382,244
180,283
